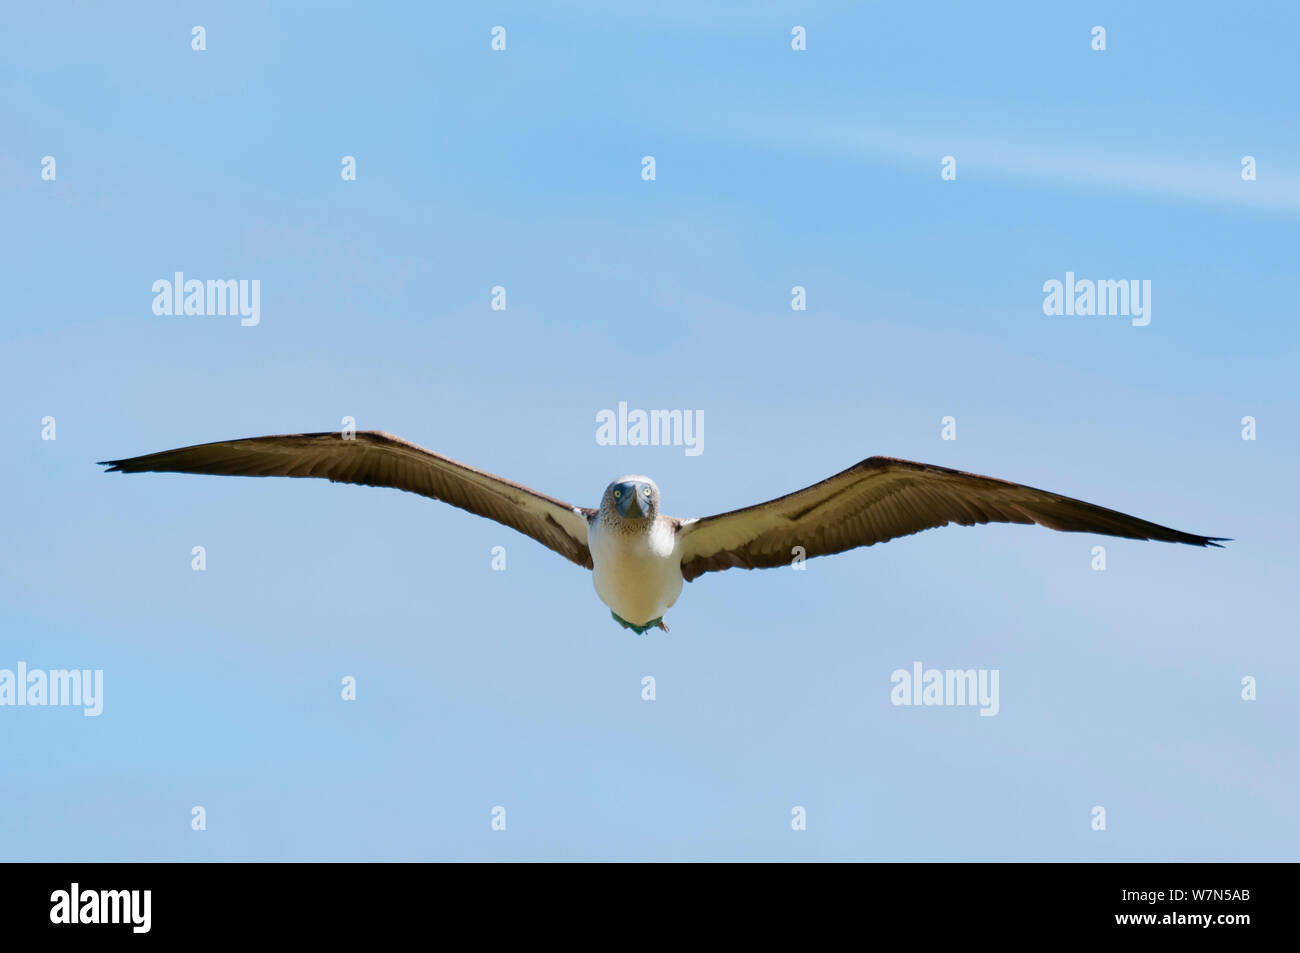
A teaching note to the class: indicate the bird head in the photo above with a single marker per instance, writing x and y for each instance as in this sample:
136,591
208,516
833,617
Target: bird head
632,498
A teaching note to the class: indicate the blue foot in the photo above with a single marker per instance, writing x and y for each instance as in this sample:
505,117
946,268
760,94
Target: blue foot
640,629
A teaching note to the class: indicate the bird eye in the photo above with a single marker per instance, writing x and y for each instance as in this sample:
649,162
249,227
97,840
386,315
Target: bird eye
617,494
647,491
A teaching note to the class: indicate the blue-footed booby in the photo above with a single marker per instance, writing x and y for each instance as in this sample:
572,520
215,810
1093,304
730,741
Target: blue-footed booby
640,557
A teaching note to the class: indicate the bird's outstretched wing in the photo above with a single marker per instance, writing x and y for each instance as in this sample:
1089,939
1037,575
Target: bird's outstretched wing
374,458
882,498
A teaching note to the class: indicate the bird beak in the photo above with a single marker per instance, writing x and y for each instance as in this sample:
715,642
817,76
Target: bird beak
629,504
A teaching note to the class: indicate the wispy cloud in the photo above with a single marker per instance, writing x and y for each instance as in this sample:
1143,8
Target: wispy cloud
1211,179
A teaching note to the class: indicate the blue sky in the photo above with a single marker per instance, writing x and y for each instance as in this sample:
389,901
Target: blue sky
774,168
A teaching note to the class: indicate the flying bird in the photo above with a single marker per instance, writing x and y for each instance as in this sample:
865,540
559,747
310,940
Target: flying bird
640,557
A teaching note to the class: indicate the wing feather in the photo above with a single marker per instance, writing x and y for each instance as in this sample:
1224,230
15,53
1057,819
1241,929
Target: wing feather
883,498
374,458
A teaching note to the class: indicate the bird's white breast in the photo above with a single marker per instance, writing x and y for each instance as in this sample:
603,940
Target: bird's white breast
638,575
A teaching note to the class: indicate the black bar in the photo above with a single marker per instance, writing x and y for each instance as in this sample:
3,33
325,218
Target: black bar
335,900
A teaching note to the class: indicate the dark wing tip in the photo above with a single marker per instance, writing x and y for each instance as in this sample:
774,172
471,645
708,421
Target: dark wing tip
149,462
119,466
1191,539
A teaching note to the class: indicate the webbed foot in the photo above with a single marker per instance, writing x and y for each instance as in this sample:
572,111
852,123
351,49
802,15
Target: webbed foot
639,629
